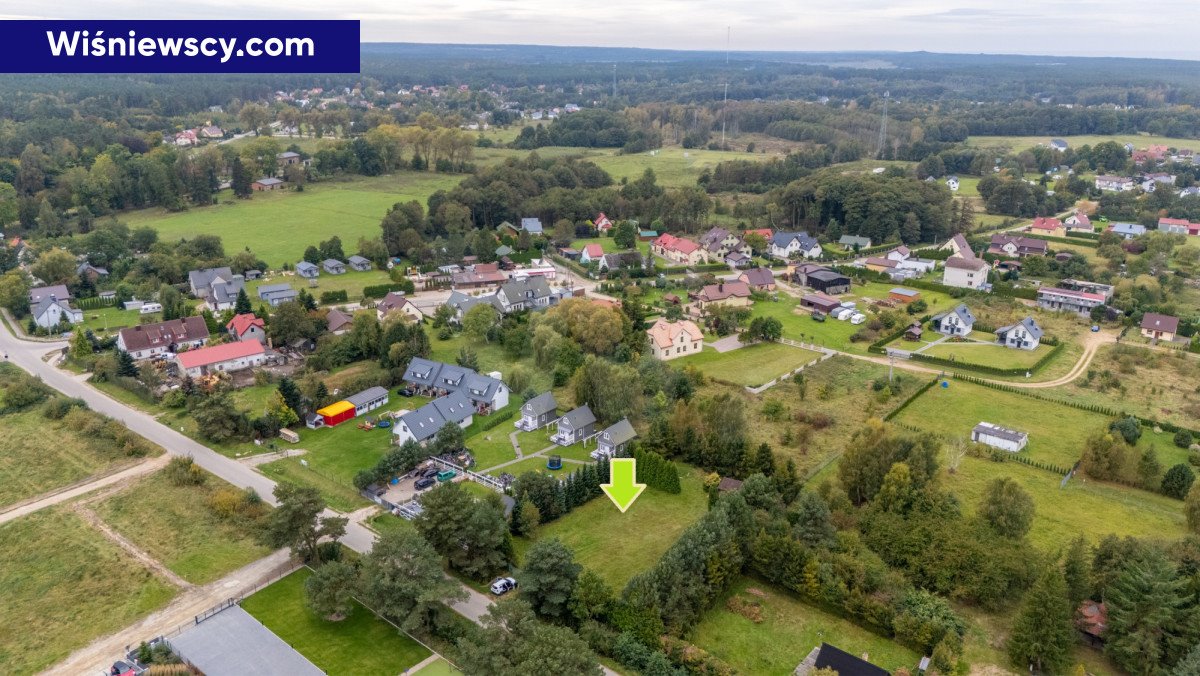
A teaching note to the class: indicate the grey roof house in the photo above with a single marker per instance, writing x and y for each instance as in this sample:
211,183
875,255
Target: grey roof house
59,291
1024,335
368,400
274,294
526,293
538,412
614,439
431,378
532,226
218,287
575,426
957,322
854,242
359,263
423,424
333,266
306,269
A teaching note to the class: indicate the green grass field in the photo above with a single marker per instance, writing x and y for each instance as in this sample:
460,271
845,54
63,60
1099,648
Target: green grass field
609,245
996,356
788,631
361,644
1056,432
352,282
1083,507
37,455
752,365
279,225
174,524
619,546
673,166
1019,143
112,319
62,585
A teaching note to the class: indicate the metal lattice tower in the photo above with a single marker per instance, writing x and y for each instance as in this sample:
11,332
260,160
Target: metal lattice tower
883,127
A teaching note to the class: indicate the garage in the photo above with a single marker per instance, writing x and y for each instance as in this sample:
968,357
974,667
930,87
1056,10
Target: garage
336,413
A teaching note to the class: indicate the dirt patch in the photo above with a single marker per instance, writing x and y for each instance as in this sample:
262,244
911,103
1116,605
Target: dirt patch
751,609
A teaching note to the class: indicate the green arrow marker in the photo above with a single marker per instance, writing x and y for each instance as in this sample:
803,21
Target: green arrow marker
622,487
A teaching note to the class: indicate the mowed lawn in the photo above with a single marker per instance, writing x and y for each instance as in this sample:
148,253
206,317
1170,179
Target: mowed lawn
788,631
752,365
619,546
1083,507
279,225
984,354
175,524
1019,143
63,584
351,282
37,455
361,644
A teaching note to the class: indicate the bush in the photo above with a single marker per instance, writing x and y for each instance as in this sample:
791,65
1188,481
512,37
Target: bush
1183,439
1178,481
24,393
58,407
331,297
1129,428
183,471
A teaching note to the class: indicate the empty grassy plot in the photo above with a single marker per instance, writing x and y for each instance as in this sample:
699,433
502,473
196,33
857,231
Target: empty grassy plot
988,354
352,282
360,644
788,631
63,584
1019,143
1056,432
618,546
279,225
1082,507
38,454
176,525
752,365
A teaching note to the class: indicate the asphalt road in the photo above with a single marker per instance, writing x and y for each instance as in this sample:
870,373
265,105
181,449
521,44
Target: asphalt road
29,356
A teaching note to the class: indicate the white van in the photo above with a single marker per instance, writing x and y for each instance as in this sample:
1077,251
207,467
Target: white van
842,313
858,318
150,308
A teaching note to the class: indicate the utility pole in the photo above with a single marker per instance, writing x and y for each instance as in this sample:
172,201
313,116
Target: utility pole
614,81
723,107
883,126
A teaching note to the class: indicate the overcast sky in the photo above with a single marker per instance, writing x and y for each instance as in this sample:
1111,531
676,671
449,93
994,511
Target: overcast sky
1062,27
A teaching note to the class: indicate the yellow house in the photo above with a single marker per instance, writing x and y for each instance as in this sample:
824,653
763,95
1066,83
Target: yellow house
669,340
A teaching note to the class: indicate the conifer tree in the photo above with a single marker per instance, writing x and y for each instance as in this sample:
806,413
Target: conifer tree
1043,634
242,304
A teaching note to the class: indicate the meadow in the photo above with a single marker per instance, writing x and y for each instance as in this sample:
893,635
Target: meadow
62,584
789,629
176,526
279,225
619,546
362,644
982,354
752,365
1019,143
1057,433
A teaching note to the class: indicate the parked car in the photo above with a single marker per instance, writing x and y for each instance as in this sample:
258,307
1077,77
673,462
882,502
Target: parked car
424,482
406,392
817,315
1095,328
503,585
858,318
842,314
430,473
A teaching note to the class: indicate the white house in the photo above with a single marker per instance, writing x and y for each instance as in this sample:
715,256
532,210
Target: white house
965,272
152,340
423,424
236,356
999,437
952,183
785,245
957,322
1024,335
50,312
1114,183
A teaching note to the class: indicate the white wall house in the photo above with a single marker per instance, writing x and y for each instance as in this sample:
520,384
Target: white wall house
957,322
1024,335
999,437
965,273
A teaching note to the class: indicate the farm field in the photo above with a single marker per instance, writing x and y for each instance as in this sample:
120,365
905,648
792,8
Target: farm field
176,526
752,365
1018,143
360,644
37,455
1056,432
1083,507
619,546
63,584
993,355
279,225
789,629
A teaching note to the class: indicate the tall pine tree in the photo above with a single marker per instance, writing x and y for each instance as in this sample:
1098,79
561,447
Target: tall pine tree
1151,622
242,305
241,180
1043,635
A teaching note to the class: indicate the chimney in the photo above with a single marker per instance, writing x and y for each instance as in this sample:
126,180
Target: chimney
721,288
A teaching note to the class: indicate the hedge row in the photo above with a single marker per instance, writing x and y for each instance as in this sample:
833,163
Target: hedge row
1082,241
878,346
1003,456
331,297
381,290
1082,235
904,404
1092,408
95,302
703,267
950,363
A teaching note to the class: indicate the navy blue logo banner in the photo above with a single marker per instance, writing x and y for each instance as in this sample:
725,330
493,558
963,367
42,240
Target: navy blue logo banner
241,46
